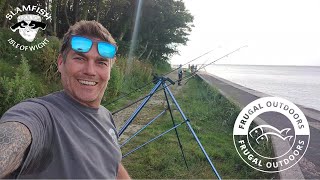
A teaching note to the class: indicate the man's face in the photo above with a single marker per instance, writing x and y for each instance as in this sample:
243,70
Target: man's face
85,76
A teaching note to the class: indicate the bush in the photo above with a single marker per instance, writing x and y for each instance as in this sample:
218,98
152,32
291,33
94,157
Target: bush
14,90
47,59
162,68
6,69
140,75
41,61
121,85
8,52
114,84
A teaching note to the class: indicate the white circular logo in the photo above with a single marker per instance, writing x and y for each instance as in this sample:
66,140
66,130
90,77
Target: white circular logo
286,128
28,26
113,136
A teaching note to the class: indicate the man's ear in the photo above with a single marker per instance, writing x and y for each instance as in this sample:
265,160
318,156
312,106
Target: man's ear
113,61
60,61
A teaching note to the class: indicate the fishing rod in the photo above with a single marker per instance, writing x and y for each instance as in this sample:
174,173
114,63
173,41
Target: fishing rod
192,60
173,82
145,85
205,65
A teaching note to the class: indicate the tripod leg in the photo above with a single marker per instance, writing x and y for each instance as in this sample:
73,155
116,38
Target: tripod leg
135,113
174,124
192,131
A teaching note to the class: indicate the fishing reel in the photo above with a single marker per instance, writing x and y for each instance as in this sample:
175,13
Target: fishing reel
157,78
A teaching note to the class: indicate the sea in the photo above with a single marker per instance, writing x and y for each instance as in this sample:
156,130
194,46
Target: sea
298,84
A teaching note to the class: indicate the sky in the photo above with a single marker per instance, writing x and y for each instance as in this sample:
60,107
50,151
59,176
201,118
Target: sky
276,32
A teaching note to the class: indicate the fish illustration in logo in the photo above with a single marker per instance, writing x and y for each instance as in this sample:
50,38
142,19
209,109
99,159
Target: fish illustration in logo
262,135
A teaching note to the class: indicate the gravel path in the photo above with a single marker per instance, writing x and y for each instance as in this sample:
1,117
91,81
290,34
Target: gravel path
155,105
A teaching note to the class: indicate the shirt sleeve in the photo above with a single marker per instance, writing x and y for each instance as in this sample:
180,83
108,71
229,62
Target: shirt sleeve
113,123
36,118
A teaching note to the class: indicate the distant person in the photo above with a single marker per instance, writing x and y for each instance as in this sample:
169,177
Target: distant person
180,72
67,134
192,69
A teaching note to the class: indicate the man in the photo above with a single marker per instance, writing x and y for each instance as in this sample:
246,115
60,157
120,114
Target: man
180,75
67,134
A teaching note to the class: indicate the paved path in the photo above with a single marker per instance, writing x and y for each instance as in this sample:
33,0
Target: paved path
309,166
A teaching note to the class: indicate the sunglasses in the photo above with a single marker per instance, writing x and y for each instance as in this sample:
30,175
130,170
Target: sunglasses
82,44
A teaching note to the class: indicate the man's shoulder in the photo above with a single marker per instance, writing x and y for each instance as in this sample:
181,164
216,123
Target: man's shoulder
104,109
27,111
51,97
35,104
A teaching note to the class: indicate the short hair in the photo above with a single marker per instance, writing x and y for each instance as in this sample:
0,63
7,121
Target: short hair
85,28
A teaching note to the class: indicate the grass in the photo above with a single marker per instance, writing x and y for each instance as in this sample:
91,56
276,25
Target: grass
212,118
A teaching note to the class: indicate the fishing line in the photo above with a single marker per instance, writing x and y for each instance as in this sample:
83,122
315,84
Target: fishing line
191,60
145,85
205,65
173,82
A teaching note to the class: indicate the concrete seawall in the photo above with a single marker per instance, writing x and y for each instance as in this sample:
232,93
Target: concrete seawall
309,166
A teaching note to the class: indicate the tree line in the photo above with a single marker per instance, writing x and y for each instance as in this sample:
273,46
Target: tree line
164,24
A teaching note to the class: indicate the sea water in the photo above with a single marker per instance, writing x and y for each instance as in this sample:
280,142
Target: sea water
299,84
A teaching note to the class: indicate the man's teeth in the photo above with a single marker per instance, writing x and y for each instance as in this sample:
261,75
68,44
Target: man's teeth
89,83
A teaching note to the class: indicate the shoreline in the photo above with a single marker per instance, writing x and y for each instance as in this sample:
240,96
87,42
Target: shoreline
309,165
260,65
308,111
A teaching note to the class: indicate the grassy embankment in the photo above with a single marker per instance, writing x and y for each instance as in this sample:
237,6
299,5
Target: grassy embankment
212,117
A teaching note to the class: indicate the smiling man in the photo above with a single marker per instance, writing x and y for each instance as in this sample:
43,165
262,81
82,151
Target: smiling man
67,134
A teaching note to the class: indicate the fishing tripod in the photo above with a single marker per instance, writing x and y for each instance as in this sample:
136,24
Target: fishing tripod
161,81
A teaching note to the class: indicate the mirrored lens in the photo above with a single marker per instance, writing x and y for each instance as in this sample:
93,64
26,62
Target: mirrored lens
106,50
81,44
